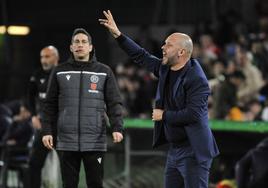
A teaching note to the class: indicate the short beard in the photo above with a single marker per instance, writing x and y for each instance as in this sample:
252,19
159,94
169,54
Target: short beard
80,57
170,63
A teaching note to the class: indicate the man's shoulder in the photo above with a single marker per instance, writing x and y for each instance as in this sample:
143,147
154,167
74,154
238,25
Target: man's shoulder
102,67
62,66
37,74
196,68
195,72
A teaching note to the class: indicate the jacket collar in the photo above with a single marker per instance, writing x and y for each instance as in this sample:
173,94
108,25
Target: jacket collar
179,79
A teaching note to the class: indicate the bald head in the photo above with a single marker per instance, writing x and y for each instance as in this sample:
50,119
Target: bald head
49,57
177,50
183,41
51,49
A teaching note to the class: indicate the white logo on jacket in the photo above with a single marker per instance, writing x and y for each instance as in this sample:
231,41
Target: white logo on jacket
68,77
42,80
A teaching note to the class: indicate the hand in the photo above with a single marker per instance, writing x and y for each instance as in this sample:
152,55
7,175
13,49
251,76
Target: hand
117,137
48,141
110,24
36,122
11,142
157,114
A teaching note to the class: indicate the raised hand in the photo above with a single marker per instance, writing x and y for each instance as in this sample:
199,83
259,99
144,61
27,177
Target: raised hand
110,24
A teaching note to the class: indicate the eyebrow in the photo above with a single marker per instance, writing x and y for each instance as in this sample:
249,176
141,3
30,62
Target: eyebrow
81,40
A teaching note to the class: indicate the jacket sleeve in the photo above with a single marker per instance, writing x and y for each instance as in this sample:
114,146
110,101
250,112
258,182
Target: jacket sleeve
139,55
196,108
114,103
50,109
32,93
243,168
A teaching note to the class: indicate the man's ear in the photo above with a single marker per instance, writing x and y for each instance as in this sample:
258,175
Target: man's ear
90,48
181,52
71,48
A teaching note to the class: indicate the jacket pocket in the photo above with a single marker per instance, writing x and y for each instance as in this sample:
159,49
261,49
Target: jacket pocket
99,123
60,122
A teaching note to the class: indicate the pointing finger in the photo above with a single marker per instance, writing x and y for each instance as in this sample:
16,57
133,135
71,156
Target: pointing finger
106,14
110,14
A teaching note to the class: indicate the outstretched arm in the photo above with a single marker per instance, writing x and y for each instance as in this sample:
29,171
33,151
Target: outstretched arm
133,50
110,24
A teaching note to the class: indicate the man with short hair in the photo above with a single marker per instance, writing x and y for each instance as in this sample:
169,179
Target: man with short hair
81,91
181,110
49,58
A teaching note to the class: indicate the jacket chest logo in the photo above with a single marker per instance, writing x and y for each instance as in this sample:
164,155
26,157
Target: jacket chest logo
93,86
94,80
42,80
68,77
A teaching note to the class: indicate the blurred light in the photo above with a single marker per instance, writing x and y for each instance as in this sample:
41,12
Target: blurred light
2,29
18,30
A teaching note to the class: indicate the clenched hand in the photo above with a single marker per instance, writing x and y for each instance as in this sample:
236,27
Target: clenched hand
157,114
117,137
48,141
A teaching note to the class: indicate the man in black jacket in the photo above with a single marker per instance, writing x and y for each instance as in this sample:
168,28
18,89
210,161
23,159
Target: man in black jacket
49,58
80,92
252,169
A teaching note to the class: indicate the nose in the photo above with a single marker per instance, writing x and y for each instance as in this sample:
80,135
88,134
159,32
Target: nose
80,44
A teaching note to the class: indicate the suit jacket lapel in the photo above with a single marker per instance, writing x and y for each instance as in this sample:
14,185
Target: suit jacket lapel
159,134
160,94
179,79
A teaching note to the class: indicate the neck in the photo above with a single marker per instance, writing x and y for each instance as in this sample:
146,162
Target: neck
178,66
82,59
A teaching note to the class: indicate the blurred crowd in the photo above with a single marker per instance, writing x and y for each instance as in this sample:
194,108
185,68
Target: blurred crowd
16,127
237,76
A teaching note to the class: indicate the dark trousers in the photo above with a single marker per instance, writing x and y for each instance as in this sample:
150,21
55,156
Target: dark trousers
183,171
37,160
70,162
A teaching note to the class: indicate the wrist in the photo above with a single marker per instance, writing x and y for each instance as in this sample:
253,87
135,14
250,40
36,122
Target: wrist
117,34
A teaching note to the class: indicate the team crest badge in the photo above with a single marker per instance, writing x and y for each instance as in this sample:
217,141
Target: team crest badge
94,79
93,86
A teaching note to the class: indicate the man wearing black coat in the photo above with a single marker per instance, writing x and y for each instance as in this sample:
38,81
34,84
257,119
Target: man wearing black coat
80,92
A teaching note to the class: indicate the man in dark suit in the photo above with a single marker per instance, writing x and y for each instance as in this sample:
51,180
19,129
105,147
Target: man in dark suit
181,112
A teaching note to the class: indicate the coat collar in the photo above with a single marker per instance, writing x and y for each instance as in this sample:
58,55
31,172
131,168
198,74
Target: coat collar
179,79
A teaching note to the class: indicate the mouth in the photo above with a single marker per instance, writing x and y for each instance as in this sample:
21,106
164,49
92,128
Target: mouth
78,51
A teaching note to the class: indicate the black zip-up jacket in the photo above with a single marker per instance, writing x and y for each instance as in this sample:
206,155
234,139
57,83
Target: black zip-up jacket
37,91
78,96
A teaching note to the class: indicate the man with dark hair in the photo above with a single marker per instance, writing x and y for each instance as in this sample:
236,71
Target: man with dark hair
79,94
181,109
49,58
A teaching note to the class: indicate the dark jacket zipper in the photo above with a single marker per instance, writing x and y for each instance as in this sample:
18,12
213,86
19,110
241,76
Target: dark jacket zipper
79,108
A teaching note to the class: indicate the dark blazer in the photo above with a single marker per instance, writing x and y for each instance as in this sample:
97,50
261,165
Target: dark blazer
190,93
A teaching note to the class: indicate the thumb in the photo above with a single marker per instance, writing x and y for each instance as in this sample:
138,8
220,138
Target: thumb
50,141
